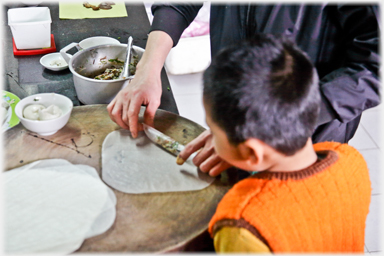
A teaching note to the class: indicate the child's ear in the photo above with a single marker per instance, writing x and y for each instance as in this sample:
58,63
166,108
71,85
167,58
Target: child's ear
252,152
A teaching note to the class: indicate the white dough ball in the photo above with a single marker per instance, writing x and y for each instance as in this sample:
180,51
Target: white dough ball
50,112
32,111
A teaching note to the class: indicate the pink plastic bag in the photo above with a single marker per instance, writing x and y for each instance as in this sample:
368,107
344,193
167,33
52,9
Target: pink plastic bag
196,28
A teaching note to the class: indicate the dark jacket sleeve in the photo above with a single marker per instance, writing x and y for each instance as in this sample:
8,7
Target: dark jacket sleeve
173,19
355,86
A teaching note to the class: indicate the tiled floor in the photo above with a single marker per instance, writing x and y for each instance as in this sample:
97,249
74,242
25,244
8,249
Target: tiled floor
368,141
187,90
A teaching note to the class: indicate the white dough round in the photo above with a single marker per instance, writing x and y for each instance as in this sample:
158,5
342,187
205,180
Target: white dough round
51,112
52,206
32,111
125,166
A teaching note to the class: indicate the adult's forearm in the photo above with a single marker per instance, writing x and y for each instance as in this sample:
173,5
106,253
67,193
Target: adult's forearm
156,51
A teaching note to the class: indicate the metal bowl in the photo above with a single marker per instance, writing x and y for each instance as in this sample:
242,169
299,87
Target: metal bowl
90,62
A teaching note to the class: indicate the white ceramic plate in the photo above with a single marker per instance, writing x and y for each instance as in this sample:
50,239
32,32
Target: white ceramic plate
54,61
97,40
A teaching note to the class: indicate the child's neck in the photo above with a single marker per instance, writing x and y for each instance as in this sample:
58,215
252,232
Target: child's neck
300,160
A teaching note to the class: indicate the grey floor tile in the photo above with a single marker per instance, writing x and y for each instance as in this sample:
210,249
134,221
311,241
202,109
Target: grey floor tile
361,140
371,121
373,158
372,229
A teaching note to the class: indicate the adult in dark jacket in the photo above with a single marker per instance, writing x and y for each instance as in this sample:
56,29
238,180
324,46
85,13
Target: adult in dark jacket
341,40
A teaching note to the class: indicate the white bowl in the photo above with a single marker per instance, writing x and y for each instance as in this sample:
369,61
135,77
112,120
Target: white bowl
46,127
96,41
54,61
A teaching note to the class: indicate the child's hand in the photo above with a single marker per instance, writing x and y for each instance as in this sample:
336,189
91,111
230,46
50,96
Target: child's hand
206,159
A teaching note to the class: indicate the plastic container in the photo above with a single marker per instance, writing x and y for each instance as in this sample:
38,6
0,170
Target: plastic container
31,27
190,55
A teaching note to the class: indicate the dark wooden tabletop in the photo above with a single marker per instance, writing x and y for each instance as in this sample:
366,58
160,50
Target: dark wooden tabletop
146,222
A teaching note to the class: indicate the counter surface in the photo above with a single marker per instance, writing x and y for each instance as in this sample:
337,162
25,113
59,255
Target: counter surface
25,76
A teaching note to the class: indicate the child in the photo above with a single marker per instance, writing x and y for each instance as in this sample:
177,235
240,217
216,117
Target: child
262,100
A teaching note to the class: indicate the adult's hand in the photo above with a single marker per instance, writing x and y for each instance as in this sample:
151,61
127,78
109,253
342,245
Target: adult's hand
145,88
206,159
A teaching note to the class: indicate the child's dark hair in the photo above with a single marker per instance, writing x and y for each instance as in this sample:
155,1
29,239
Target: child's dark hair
265,88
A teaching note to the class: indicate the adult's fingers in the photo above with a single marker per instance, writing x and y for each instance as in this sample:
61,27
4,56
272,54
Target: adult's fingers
150,112
110,107
124,112
115,113
133,116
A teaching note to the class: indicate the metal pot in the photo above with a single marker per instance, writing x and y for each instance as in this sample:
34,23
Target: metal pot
90,62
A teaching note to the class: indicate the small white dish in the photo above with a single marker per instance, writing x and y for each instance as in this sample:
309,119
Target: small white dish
46,127
54,61
96,41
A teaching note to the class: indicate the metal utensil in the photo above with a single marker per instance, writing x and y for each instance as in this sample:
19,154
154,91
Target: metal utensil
166,142
126,72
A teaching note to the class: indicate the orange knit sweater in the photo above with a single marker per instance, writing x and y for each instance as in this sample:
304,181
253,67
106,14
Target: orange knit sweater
319,209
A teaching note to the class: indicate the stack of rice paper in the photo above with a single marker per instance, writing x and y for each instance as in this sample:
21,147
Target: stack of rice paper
51,206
